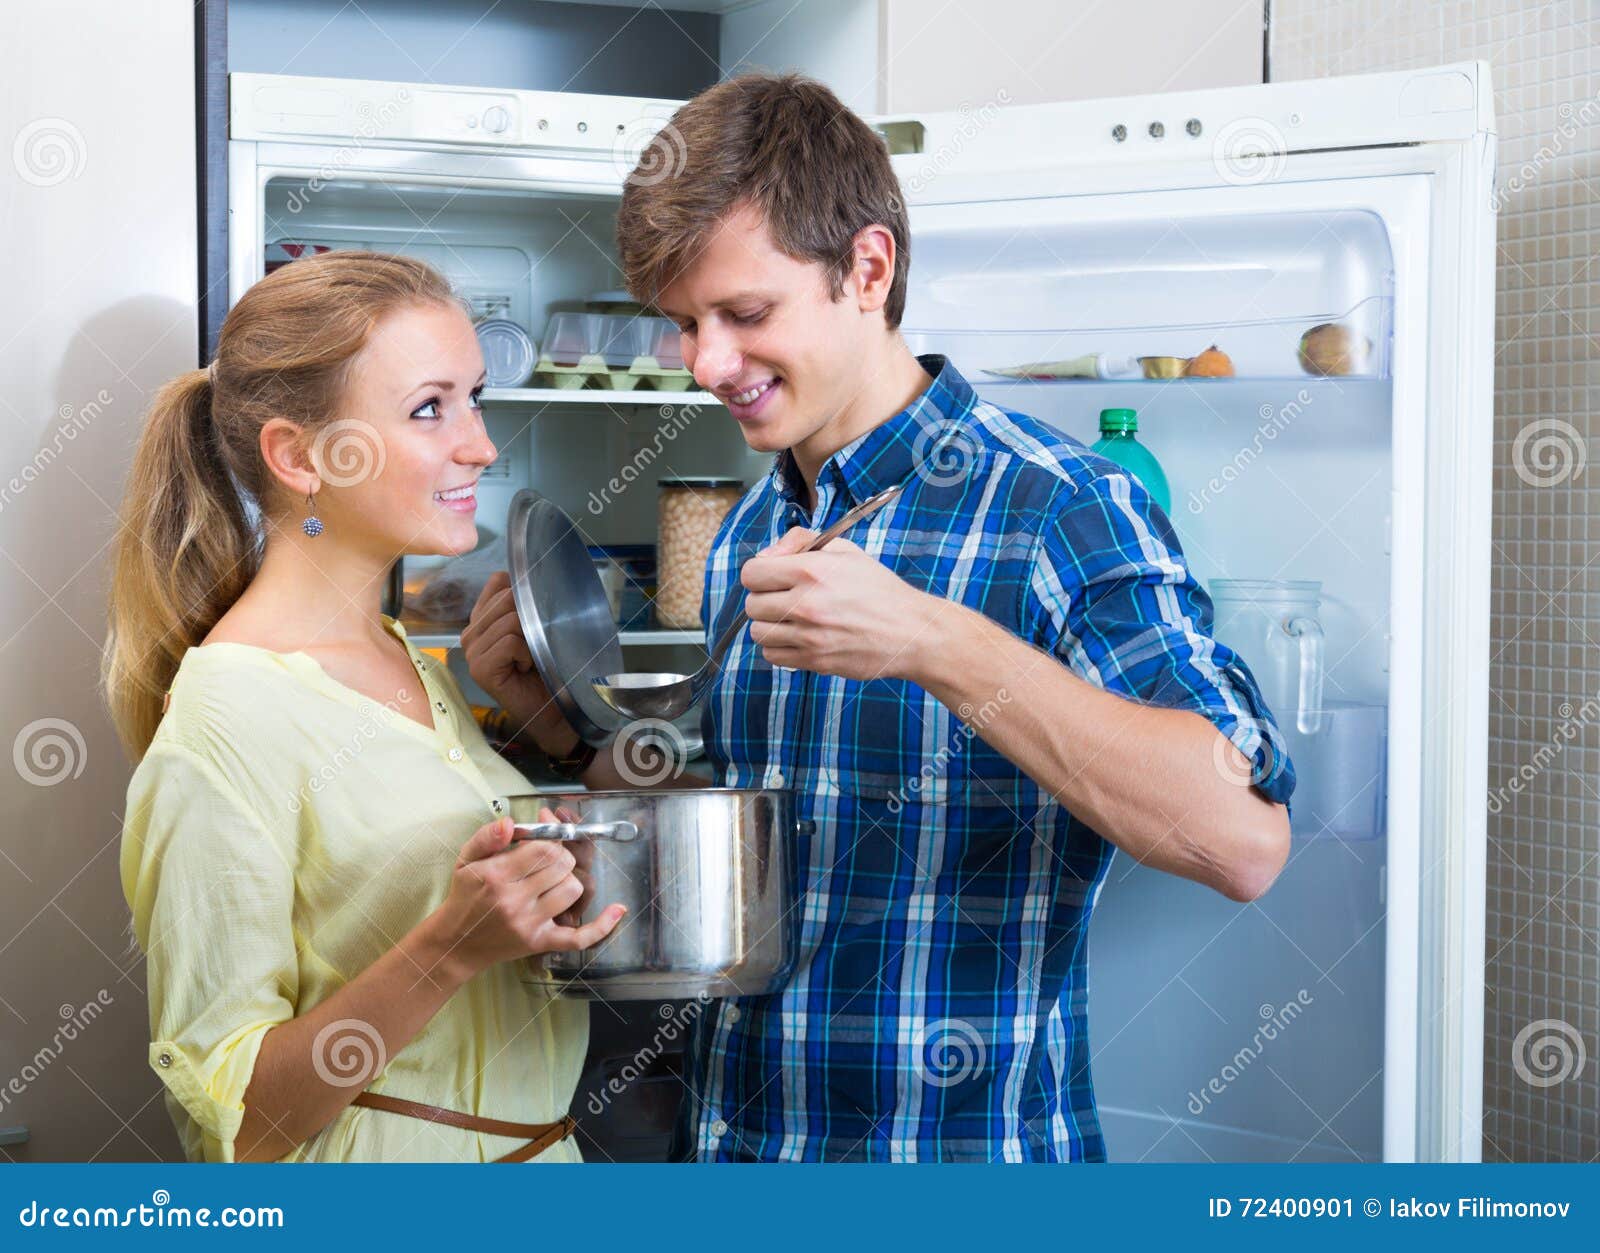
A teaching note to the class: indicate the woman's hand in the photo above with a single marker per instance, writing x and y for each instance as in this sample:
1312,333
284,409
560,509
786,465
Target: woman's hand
500,663
507,900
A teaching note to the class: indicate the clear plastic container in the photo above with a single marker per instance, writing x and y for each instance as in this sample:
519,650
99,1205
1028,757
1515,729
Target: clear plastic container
1274,625
620,339
663,342
1340,772
570,337
689,511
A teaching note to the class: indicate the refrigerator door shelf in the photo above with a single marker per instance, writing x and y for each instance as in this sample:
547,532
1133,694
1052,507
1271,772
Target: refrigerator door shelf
1282,291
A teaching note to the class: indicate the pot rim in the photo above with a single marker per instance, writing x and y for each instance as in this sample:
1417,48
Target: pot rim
657,791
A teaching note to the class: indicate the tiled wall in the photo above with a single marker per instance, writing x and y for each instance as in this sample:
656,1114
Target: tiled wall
1542,1046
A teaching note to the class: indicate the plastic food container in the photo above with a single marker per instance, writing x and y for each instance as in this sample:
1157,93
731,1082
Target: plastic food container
661,356
663,342
570,337
628,573
689,511
507,352
621,341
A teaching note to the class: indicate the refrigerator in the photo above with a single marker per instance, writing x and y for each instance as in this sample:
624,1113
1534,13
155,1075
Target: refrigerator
1339,1017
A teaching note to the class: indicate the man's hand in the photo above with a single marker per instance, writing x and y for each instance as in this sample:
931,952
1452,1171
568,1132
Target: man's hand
837,611
500,663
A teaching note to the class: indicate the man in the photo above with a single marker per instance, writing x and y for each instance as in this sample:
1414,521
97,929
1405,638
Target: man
998,679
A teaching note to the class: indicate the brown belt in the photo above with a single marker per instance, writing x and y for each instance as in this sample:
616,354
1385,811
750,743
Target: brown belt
543,1134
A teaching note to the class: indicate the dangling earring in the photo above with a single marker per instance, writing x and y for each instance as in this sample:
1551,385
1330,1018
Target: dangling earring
312,526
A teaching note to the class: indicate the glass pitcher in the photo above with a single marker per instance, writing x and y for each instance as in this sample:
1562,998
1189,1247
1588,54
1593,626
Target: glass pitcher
1273,625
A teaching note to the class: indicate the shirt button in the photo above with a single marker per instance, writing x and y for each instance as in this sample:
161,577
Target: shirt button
719,1128
495,805
777,778
455,754
733,1015
439,705
164,1060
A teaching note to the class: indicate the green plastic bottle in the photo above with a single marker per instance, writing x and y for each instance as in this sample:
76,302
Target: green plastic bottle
1118,442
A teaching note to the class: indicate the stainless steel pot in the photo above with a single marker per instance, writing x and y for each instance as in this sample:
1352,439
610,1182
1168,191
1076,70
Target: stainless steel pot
708,876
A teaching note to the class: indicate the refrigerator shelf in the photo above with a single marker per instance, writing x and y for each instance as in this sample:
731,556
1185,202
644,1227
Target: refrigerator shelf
1334,381
562,396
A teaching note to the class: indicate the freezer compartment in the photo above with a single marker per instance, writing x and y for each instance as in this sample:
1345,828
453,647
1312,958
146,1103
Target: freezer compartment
524,255
1280,295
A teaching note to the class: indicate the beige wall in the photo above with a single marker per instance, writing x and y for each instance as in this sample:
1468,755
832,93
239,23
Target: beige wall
97,209
1542,1003
946,55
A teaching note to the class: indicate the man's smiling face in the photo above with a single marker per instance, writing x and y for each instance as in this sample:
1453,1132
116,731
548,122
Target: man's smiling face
762,332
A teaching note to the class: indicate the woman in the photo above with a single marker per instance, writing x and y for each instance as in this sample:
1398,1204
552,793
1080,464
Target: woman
317,851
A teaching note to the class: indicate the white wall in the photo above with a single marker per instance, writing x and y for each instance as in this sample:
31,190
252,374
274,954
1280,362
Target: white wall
97,208
835,41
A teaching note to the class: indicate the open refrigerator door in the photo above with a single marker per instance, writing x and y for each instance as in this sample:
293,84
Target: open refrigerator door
1281,321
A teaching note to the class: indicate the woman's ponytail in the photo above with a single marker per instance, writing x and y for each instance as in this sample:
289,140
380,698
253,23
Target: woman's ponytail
184,552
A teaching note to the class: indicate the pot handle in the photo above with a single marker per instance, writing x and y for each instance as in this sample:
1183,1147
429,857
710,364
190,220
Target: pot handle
622,831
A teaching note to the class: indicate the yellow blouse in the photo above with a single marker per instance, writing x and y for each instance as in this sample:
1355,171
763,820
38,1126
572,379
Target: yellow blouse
284,831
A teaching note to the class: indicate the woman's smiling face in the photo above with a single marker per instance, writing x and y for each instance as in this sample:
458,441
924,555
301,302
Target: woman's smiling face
400,465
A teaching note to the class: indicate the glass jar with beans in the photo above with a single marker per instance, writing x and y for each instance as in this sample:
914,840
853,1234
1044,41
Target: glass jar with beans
689,511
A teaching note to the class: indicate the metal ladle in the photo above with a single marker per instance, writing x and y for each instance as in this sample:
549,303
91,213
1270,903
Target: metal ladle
667,695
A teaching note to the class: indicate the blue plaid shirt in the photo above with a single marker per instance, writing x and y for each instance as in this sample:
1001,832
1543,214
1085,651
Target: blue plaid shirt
938,1006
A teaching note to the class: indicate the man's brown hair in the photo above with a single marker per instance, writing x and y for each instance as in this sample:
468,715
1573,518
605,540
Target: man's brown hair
783,143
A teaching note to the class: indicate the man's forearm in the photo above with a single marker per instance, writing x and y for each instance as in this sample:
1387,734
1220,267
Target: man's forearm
1161,784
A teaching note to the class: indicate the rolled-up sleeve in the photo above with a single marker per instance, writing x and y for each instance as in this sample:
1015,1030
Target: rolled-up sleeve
1111,595
212,895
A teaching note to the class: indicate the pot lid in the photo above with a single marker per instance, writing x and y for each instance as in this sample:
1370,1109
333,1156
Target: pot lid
565,615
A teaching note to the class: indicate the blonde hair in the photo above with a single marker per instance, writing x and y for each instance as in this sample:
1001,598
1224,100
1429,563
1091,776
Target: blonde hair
188,545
